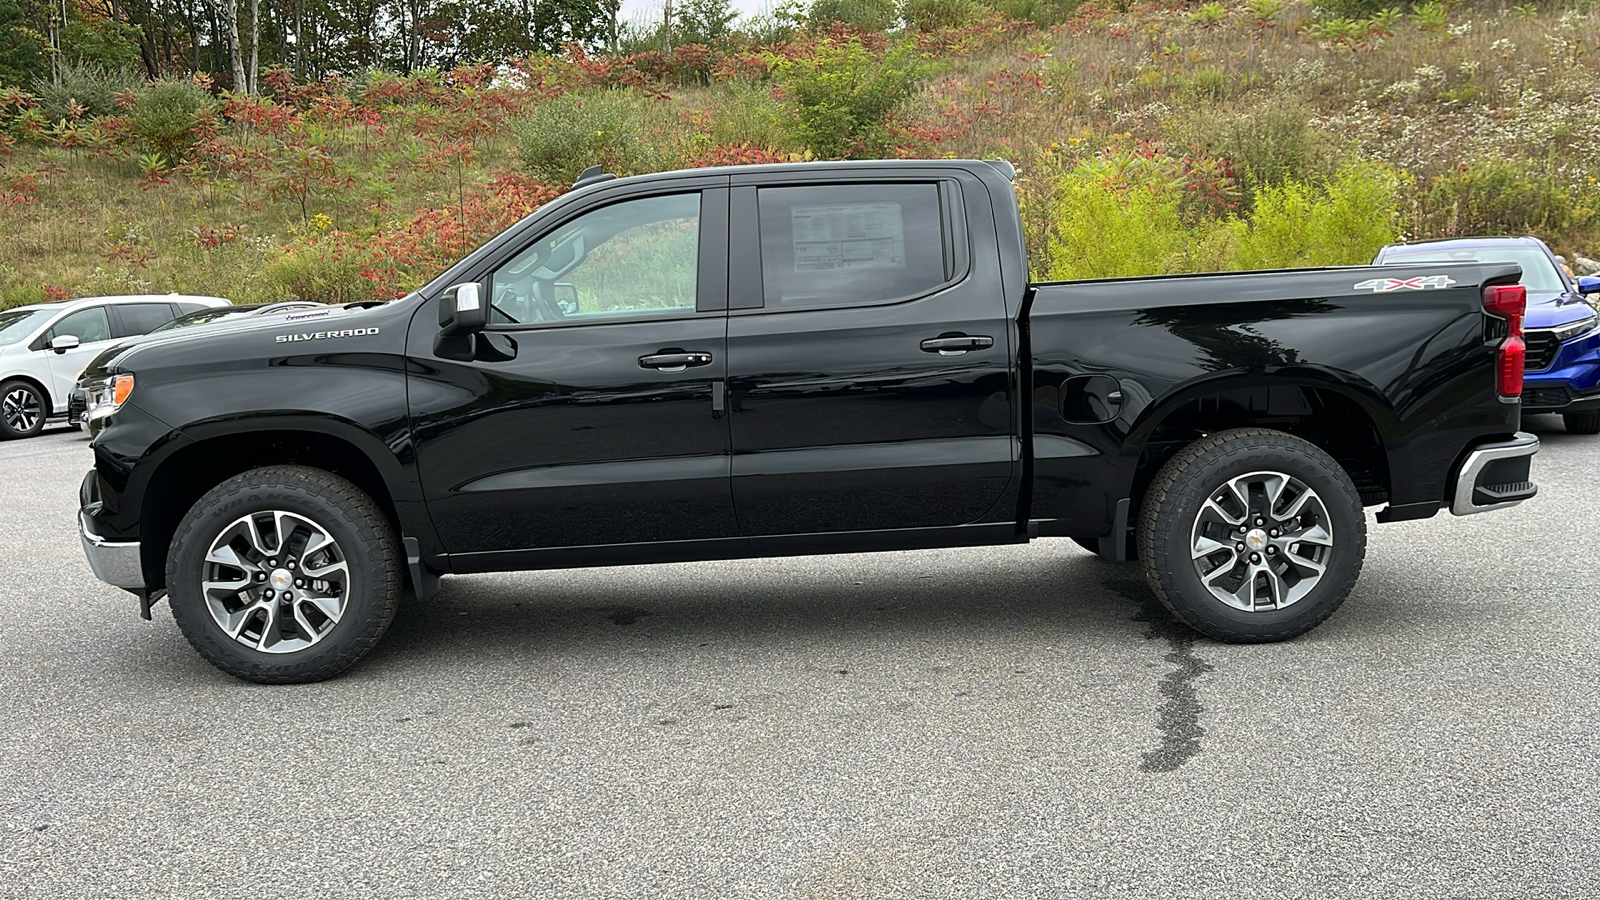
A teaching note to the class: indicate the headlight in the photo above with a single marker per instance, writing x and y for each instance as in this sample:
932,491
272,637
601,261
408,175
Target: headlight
1572,329
106,395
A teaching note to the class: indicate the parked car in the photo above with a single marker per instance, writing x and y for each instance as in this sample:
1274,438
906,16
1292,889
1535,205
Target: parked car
1562,330
795,359
45,346
83,394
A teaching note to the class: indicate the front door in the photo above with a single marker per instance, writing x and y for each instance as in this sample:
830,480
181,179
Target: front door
92,328
586,413
868,353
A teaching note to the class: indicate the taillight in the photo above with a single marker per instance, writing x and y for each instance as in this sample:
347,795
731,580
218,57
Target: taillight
1509,302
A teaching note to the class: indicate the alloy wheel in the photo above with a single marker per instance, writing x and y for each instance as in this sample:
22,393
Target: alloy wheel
276,581
1261,541
21,410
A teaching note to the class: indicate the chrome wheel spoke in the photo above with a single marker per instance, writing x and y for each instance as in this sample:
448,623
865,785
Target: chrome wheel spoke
324,573
332,607
230,586
1315,535
1204,547
1226,568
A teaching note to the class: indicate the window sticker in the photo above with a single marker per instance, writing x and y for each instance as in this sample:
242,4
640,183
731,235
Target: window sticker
848,236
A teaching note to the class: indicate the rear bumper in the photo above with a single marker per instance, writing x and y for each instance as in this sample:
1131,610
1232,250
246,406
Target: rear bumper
1495,476
116,563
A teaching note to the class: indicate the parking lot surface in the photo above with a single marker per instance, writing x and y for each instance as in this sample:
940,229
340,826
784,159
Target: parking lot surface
1007,722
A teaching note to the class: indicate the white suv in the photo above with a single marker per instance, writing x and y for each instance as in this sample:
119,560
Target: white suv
44,347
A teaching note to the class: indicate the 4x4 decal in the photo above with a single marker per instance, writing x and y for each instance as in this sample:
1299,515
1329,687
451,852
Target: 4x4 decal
1419,283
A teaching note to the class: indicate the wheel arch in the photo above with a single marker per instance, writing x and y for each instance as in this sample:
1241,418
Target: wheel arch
211,455
1342,414
36,384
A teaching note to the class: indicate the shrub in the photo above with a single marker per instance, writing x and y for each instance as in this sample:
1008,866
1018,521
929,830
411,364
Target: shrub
933,15
171,117
843,97
322,272
1344,221
1268,145
564,136
1499,196
1043,13
862,15
93,87
749,114
1101,230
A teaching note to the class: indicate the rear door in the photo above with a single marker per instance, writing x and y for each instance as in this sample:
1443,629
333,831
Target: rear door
588,412
869,377
133,319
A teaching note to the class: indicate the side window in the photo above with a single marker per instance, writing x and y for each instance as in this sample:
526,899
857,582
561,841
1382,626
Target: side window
844,245
87,325
140,318
637,257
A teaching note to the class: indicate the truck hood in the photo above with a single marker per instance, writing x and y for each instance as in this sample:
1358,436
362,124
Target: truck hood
297,325
1552,309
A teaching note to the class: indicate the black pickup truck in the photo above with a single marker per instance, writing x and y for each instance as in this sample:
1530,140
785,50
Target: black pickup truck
794,359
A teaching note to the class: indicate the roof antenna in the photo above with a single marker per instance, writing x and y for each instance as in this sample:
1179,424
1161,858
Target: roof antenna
592,175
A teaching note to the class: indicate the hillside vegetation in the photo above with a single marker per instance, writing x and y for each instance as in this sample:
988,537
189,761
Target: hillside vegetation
1152,138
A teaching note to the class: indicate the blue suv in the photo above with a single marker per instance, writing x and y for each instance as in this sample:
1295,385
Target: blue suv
1561,328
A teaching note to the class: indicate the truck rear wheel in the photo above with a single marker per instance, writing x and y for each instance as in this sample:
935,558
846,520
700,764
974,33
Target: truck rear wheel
284,575
1252,535
1582,422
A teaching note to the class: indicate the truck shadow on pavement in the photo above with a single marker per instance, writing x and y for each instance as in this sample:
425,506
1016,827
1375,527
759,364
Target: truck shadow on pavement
769,601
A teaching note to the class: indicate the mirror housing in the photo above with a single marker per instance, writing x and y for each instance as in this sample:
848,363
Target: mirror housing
462,310
1589,284
61,343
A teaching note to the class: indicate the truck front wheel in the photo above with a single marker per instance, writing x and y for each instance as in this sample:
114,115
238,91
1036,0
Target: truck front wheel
1252,535
284,575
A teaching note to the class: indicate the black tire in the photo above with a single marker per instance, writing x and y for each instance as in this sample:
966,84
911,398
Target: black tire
363,540
1582,422
1168,525
23,410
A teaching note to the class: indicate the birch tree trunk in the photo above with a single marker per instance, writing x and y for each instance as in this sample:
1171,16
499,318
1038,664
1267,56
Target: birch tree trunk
229,12
255,45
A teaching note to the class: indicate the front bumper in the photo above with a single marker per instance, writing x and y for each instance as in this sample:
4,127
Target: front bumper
117,564
1495,476
1541,397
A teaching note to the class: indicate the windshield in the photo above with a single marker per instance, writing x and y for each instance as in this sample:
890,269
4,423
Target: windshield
1538,272
200,318
19,323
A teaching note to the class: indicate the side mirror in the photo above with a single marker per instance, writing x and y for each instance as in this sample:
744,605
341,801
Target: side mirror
462,311
1589,284
61,343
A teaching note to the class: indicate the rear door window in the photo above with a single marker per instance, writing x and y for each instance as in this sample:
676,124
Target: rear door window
851,244
142,318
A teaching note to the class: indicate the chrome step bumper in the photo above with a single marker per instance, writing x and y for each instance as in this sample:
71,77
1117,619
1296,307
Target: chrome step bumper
1495,476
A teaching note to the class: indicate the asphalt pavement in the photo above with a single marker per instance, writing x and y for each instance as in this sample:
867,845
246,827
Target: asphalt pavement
1014,722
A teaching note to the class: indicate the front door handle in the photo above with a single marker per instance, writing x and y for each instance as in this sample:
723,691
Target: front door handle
674,360
955,344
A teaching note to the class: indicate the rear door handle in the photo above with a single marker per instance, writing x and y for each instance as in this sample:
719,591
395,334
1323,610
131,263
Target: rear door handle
956,344
674,360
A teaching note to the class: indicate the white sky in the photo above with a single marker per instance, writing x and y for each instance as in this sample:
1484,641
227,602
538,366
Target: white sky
632,9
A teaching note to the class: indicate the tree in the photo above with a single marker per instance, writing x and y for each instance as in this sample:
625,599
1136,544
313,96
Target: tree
22,57
707,22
